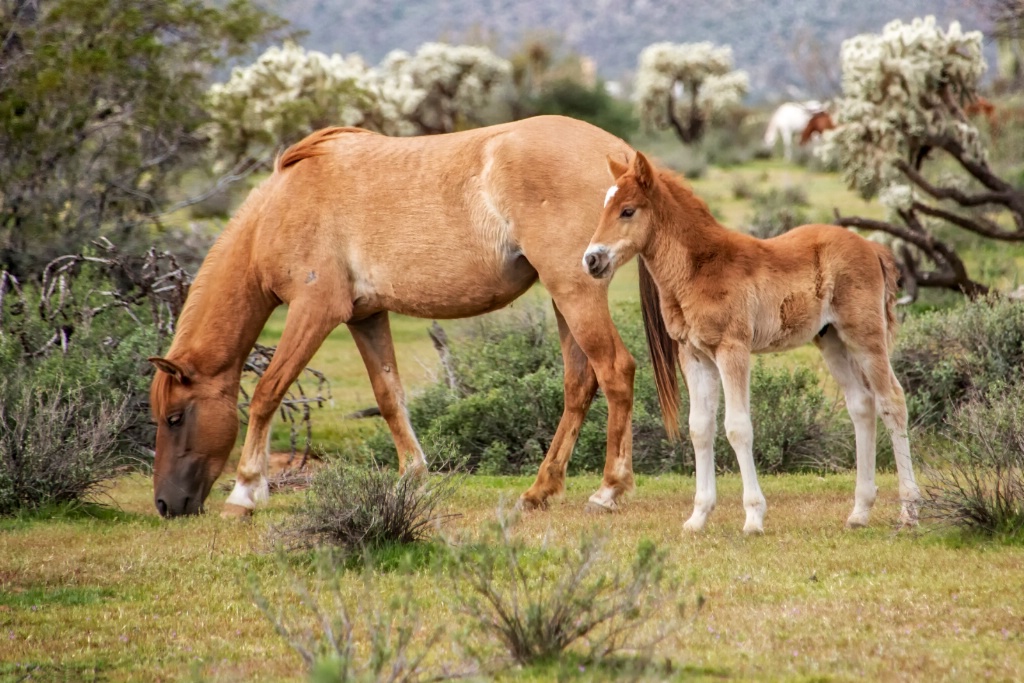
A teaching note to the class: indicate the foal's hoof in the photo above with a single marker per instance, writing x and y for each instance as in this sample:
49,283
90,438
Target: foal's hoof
232,511
599,508
857,520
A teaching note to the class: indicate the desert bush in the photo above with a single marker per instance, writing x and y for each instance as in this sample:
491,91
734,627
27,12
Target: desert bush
537,607
506,406
777,211
58,443
364,507
944,358
590,103
326,629
978,484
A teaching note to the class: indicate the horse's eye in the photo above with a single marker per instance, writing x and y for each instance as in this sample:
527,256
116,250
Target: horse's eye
627,212
174,420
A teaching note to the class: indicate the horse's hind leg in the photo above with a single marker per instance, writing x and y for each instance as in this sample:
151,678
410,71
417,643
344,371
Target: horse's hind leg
860,403
580,387
309,321
373,338
590,323
892,405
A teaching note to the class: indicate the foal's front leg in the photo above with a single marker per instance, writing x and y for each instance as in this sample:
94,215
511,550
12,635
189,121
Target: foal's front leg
702,384
734,366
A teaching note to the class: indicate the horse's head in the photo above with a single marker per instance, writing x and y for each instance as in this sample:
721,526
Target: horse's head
626,221
197,422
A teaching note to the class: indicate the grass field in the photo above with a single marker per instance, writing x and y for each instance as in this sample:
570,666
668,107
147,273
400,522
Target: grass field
115,593
123,595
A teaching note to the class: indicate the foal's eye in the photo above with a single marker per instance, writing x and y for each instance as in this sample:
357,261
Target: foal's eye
627,212
174,420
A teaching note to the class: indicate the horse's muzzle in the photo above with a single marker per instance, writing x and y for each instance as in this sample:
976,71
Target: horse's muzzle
598,262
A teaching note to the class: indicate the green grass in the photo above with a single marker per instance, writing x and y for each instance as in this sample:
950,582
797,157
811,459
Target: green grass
125,598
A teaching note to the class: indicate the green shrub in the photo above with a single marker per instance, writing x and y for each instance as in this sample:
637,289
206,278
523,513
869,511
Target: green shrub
58,442
945,358
978,483
361,507
537,603
593,104
777,211
505,411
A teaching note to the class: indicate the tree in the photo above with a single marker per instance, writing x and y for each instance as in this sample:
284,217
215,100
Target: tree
100,104
900,118
683,86
450,84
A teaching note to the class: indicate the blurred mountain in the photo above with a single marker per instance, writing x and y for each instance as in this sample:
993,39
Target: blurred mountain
790,48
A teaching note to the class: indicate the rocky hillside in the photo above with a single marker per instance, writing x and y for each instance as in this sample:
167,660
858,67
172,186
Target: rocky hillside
789,47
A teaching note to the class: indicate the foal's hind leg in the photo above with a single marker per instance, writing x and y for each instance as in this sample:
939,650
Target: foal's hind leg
860,403
580,387
373,338
309,321
892,404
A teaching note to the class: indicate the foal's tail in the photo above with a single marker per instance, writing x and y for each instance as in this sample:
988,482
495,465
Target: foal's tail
891,275
664,352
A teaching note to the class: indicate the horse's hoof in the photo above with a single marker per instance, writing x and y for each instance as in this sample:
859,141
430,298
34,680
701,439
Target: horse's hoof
753,530
232,511
529,504
599,509
693,527
857,521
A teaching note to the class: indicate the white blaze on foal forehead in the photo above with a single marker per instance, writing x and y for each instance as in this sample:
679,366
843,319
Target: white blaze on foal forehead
611,193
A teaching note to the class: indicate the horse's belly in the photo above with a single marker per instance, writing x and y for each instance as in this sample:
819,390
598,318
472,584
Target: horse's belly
455,289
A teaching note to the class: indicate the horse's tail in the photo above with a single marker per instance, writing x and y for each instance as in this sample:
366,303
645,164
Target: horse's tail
891,275
312,146
664,352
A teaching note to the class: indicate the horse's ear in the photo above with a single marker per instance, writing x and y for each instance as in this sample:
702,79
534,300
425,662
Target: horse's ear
171,368
616,169
643,171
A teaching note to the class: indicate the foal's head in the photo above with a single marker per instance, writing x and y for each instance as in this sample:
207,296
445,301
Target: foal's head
627,220
197,422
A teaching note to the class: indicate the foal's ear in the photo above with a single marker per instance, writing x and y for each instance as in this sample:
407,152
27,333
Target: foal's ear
616,169
171,368
643,171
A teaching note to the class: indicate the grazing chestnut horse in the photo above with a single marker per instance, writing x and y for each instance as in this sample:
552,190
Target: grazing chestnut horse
352,225
819,123
711,297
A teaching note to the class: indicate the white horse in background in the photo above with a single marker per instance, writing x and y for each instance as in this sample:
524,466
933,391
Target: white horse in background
788,120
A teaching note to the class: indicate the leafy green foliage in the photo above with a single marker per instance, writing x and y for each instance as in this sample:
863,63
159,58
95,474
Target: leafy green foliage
58,445
592,104
537,610
978,484
944,358
778,211
100,102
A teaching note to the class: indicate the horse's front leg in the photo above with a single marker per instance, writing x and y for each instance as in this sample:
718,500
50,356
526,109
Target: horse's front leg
702,384
308,323
734,365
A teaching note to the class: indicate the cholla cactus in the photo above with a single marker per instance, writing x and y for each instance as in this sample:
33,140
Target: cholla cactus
443,84
287,93
903,90
684,85
904,94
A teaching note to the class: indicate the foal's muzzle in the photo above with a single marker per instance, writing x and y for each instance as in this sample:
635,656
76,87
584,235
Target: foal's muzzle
598,262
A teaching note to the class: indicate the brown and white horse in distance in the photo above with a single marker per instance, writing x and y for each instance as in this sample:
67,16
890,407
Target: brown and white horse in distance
711,297
353,225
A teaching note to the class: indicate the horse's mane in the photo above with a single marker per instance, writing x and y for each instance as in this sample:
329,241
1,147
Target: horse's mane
312,145
681,191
